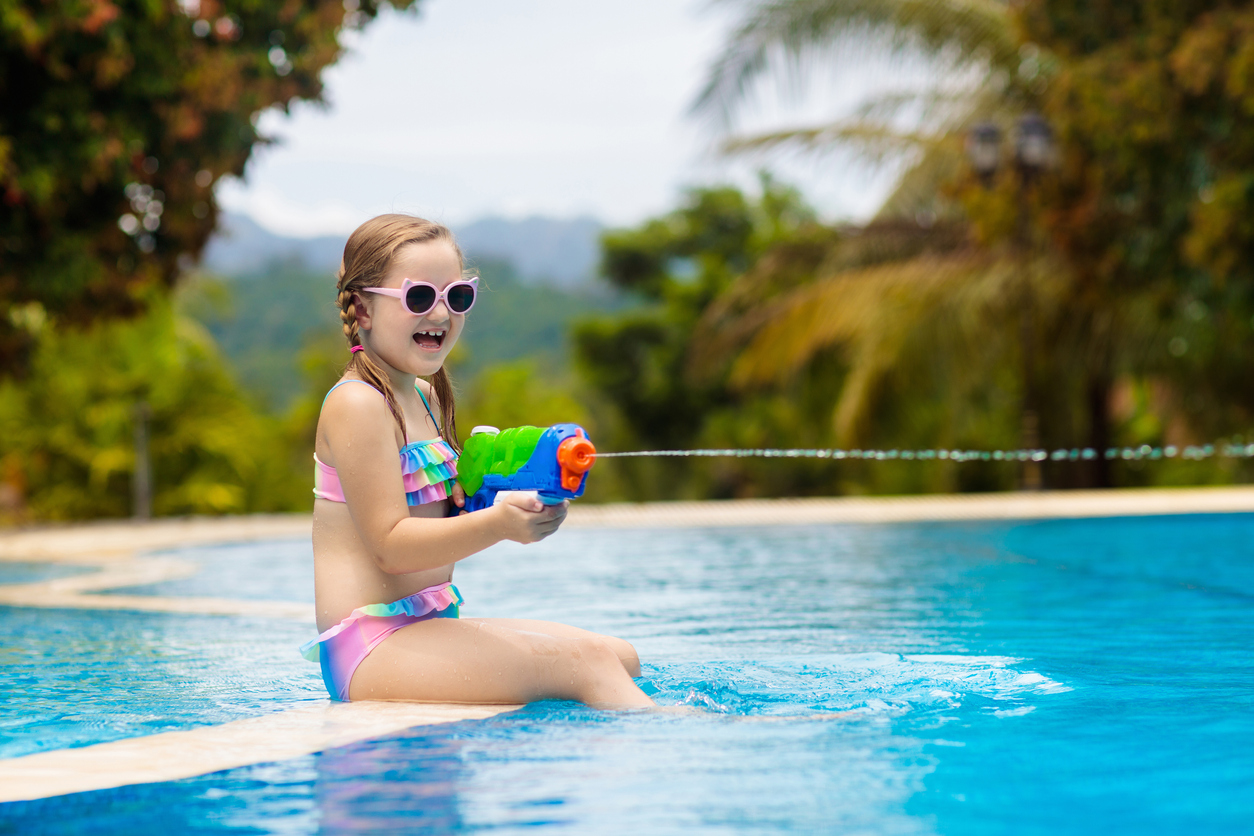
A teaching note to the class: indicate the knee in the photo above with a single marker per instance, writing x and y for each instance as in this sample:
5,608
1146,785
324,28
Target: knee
627,656
595,651
606,648
597,660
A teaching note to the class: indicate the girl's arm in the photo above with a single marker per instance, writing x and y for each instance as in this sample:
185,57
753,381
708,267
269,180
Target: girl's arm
360,435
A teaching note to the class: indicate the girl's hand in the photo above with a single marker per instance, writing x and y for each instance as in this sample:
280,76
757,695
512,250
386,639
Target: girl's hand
459,496
525,519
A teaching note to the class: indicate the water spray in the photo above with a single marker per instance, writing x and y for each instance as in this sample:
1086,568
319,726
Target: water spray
552,463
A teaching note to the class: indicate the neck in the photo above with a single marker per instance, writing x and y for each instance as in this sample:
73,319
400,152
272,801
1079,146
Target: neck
402,382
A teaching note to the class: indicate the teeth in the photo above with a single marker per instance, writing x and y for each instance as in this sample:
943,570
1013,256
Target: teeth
432,333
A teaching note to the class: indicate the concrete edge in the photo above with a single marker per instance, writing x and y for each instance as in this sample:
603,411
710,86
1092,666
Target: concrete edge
171,756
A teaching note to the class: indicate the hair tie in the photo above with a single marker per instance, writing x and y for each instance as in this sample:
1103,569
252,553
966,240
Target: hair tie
356,349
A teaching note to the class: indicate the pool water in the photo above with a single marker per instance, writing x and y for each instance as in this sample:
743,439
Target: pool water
1064,676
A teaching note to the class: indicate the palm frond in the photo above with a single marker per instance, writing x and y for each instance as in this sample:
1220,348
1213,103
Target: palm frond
733,319
850,306
780,34
871,142
931,106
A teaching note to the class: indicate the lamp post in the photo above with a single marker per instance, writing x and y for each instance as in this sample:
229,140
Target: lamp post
141,484
1033,154
984,151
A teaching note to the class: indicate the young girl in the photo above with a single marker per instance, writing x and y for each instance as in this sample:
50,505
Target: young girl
384,541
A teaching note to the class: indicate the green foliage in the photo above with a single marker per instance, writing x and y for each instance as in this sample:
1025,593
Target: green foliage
267,323
67,430
640,363
118,119
517,394
512,320
1153,196
1125,269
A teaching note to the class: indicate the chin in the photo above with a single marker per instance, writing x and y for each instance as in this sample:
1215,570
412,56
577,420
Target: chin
427,366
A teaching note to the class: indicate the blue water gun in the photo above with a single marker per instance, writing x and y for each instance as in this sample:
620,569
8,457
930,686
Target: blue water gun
552,462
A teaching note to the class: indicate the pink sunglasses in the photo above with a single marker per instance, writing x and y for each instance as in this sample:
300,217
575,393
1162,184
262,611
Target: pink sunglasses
420,298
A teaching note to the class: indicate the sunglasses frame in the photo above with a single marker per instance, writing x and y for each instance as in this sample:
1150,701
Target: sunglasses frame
440,295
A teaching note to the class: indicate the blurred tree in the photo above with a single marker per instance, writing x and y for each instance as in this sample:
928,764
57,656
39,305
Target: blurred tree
514,394
67,431
678,264
1133,250
1154,106
118,119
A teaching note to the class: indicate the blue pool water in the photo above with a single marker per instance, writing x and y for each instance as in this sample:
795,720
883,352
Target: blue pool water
36,572
1064,676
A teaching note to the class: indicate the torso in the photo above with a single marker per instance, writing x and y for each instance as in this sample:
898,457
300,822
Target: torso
345,574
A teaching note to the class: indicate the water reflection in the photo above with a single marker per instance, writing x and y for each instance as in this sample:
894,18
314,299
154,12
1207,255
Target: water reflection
405,784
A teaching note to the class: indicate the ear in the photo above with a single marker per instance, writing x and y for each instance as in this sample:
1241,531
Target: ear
363,312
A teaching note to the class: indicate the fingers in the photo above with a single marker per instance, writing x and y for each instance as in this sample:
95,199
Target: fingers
555,512
459,495
525,500
534,523
551,519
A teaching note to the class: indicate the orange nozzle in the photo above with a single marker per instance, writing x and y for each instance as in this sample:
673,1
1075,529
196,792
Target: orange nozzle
575,456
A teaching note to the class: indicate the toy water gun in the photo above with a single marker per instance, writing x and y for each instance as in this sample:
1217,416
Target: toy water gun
553,463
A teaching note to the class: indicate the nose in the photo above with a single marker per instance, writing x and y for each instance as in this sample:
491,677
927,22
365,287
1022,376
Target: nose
440,313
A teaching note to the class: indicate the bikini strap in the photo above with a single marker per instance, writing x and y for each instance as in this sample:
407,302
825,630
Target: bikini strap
429,412
341,383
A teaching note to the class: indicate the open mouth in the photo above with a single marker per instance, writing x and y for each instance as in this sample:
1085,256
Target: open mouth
430,340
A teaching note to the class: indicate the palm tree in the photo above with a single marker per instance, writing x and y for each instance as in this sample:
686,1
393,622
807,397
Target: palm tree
916,291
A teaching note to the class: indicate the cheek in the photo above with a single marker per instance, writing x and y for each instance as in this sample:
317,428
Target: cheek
459,324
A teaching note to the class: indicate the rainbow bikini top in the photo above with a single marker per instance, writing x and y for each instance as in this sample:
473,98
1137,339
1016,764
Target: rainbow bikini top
428,468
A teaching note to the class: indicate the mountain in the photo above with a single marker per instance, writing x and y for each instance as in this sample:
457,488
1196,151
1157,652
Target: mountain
542,250
241,247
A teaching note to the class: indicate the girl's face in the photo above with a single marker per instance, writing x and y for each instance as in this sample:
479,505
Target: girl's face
415,345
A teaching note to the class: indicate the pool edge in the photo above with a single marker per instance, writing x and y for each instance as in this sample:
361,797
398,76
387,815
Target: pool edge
171,756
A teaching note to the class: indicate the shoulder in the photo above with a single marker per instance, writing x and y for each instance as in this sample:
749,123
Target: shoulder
357,400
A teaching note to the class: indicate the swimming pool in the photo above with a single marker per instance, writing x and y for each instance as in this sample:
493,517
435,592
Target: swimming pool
1075,676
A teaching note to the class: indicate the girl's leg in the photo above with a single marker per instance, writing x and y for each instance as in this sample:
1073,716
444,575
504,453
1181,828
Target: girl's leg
472,661
626,653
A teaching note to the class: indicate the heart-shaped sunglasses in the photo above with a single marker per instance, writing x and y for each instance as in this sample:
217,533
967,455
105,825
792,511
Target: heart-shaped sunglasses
420,298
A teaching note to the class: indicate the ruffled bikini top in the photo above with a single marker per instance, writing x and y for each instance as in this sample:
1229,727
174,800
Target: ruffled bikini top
428,468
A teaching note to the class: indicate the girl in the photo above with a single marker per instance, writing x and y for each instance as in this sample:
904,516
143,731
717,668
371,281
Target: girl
384,541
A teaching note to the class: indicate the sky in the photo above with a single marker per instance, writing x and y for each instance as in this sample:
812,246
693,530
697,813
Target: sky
559,108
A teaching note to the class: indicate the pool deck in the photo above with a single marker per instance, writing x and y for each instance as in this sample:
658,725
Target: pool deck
129,553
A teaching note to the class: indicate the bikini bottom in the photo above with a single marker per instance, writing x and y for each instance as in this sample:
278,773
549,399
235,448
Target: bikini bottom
343,647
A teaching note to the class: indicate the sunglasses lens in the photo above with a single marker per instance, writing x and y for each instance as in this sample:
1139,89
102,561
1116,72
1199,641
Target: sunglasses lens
420,299
461,297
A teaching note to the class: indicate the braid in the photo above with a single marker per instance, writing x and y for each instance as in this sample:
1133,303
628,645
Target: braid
359,363
348,314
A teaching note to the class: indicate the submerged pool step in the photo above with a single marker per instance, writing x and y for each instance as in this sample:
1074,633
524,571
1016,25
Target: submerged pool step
185,754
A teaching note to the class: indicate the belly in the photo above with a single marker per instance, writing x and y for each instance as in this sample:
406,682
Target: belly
345,573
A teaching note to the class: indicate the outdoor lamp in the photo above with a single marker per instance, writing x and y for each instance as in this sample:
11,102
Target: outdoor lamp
1034,143
984,149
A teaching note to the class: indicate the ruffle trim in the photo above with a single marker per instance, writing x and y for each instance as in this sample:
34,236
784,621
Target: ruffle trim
432,599
419,455
432,475
428,469
431,493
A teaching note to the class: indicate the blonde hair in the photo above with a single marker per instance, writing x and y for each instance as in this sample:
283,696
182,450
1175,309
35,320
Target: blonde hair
368,256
